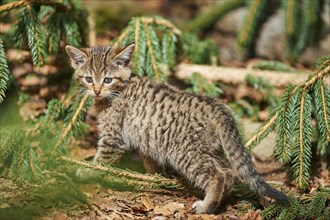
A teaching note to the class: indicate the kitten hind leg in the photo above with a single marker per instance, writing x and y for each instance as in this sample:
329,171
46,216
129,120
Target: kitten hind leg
217,187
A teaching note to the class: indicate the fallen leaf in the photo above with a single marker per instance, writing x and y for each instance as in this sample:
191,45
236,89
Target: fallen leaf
159,218
169,208
115,216
146,201
62,216
203,217
252,215
4,205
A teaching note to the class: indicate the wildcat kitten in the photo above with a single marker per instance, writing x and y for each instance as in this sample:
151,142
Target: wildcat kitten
188,131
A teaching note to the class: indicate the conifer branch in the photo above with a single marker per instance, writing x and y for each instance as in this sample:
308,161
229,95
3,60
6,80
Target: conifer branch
301,146
306,206
169,49
324,107
304,151
319,76
137,28
290,7
255,12
140,51
161,22
33,169
122,36
151,52
36,39
323,73
73,120
52,113
17,4
206,19
4,72
253,141
286,123
167,183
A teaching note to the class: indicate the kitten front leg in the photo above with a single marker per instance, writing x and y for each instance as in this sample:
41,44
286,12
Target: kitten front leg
108,154
108,151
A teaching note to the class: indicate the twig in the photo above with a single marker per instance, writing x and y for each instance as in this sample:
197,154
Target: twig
153,60
97,209
123,173
301,146
122,36
325,115
73,120
161,22
137,27
262,130
244,33
238,75
36,33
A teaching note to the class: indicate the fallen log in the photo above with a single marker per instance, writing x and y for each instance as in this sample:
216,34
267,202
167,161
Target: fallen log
236,76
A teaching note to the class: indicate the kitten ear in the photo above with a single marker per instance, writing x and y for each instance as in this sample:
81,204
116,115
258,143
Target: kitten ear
78,56
125,56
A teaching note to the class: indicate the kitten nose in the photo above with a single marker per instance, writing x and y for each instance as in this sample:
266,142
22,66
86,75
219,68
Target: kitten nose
97,92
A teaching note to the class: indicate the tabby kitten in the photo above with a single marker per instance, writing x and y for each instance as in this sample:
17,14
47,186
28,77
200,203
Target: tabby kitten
188,131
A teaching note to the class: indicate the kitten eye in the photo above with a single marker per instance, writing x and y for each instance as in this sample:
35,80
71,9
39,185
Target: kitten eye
107,80
89,79
119,63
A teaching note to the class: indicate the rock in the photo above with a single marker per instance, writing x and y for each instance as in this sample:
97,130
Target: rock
264,150
272,31
225,35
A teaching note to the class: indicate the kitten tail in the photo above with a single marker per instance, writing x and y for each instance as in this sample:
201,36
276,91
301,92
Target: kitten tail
242,163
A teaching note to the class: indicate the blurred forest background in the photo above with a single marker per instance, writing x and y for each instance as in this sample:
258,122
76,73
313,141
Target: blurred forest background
267,59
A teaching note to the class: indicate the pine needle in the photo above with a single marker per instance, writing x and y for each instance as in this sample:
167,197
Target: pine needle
151,51
158,180
4,72
73,120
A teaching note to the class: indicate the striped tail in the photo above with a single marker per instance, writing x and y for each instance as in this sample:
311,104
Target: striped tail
242,163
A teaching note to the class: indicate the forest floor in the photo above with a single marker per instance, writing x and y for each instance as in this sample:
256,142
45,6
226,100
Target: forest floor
121,204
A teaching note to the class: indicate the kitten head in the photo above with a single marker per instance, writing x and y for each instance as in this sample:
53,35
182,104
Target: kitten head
102,71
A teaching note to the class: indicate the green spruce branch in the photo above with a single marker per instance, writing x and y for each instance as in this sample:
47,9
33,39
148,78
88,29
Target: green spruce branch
14,5
293,120
303,207
4,72
300,24
43,29
207,19
154,55
201,85
35,35
157,46
274,66
129,177
256,11
73,120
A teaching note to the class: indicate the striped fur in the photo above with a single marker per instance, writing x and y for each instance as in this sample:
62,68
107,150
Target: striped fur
188,131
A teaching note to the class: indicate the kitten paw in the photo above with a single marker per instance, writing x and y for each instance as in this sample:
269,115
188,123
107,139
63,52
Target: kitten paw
86,174
199,207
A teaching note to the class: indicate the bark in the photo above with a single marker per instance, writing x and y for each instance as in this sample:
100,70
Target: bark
235,76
